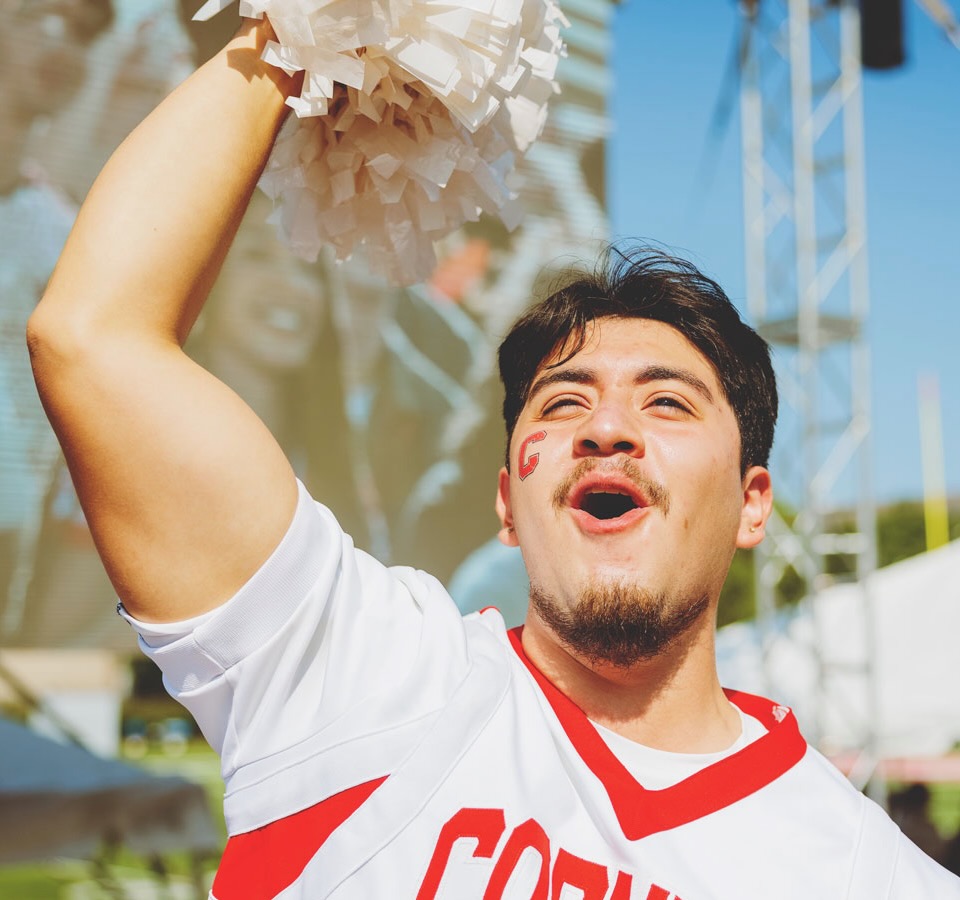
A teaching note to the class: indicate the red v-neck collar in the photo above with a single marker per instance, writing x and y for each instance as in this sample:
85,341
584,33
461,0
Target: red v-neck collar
642,812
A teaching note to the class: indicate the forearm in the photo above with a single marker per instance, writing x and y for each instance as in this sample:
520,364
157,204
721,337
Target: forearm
154,229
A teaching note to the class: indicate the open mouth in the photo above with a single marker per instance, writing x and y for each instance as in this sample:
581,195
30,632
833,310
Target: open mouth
608,501
606,504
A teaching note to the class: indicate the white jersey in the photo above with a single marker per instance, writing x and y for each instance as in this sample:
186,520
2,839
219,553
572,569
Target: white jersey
377,745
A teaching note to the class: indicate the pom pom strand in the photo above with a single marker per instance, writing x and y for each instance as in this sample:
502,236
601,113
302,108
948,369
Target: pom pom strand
410,121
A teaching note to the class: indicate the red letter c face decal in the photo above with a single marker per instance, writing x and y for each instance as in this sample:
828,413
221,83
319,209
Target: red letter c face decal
528,463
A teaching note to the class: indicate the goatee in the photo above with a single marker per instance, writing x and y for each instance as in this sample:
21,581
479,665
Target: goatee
617,623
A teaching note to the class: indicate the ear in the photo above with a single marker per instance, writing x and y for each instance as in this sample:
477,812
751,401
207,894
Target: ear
756,508
508,537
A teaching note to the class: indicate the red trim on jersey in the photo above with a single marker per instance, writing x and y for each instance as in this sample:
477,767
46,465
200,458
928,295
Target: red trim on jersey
258,864
643,812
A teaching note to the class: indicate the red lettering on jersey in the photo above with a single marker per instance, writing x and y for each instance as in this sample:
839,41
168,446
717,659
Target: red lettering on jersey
483,825
486,828
528,464
527,835
623,887
590,877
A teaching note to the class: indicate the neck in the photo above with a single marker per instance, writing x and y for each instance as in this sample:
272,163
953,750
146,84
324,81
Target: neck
671,702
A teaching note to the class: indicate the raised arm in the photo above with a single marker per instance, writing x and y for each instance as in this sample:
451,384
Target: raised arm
185,491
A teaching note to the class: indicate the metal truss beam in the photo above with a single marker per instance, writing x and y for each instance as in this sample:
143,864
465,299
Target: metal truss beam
807,293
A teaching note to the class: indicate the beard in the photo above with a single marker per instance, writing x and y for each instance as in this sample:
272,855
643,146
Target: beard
619,623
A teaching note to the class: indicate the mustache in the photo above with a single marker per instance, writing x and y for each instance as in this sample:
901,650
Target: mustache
654,492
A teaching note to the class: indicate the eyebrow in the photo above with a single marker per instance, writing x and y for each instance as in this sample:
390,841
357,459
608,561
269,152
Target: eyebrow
643,376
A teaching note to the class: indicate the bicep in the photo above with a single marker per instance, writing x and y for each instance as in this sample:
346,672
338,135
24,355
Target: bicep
185,491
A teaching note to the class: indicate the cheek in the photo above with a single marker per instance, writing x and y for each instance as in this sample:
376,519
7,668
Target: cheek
705,486
724,494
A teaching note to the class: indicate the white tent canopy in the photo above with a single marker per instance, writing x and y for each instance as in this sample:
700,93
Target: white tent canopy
59,800
916,623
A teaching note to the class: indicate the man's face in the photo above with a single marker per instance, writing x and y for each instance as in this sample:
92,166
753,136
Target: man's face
625,479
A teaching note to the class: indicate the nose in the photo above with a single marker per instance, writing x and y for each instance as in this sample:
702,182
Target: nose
610,428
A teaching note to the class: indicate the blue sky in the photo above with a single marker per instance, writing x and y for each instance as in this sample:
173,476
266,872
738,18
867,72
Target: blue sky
669,59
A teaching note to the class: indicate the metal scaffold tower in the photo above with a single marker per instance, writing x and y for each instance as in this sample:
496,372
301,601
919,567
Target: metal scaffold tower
807,294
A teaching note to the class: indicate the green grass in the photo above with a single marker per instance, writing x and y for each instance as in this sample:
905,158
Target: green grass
41,881
945,808
77,879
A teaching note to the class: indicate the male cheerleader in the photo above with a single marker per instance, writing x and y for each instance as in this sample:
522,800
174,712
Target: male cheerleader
374,743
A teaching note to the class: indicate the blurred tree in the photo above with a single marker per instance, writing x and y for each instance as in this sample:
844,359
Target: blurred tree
738,598
900,535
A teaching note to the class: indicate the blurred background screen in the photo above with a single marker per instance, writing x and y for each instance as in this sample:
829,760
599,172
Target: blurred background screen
386,400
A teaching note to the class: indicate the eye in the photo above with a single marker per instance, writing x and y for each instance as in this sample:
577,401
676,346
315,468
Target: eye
670,403
561,403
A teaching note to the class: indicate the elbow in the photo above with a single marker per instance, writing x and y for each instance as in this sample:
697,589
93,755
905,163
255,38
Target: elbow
41,347
39,336
54,344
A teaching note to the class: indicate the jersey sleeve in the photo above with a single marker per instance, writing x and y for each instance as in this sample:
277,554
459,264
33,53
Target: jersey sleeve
891,866
917,875
323,647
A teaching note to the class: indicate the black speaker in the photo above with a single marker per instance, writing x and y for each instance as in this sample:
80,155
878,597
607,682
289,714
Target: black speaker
881,34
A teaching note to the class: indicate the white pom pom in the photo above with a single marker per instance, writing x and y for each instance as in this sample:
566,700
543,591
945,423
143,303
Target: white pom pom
410,119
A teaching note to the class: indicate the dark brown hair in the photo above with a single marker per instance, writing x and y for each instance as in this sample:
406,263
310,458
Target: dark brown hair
646,283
